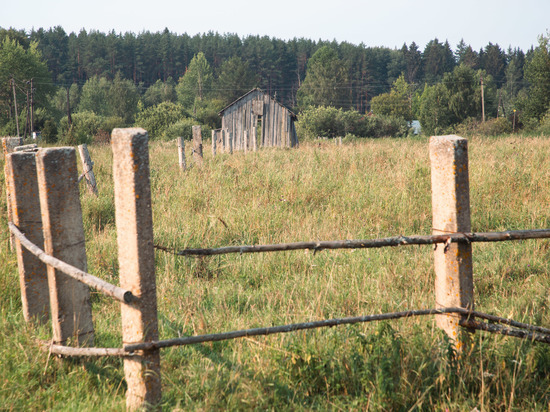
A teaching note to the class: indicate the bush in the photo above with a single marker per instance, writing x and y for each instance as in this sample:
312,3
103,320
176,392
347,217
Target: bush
183,128
492,127
49,131
85,125
387,126
157,119
331,122
495,127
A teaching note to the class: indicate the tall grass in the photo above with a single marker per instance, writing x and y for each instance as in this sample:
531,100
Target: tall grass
365,189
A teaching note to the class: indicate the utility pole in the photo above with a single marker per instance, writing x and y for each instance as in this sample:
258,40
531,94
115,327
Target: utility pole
15,102
28,114
69,119
482,103
32,106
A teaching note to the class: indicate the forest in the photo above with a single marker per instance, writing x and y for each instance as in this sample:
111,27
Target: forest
76,87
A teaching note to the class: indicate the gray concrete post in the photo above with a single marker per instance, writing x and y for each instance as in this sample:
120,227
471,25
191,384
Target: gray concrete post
197,146
214,137
64,239
8,146
181,154
136,259
454,286
33,277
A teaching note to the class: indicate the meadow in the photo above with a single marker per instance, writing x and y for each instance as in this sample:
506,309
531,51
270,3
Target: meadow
365,189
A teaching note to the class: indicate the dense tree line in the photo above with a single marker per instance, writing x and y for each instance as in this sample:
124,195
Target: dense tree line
121,75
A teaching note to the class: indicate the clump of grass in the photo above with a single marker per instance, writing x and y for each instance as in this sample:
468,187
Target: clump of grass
366,189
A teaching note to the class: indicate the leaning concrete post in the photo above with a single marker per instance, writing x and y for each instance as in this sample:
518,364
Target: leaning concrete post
33,277
181,154
87,168
136,260
197,146
64,239
8,146
454,286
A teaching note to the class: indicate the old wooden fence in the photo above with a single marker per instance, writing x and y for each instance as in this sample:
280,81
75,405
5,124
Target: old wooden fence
45,216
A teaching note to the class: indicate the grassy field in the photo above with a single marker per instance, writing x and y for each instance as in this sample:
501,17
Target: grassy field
364,189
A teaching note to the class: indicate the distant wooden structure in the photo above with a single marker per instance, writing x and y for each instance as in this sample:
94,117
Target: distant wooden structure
255,120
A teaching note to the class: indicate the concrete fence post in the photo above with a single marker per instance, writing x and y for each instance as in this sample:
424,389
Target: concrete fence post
136,259
64,239
451,214
8,146
87,169
33,278
197,146
181,154
214,137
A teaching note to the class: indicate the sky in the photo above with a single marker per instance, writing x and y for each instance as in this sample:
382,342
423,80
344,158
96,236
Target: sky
388,23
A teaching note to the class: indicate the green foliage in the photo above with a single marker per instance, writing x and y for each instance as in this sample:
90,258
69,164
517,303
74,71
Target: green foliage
235,79
332,122
206,112
49,131
182,128
196,83
458,97
160,92
537,72
22,65
434,113
326,82
157,119
104,97
86,127
397,103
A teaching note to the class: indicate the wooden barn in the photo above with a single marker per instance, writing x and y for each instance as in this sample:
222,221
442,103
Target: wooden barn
255,120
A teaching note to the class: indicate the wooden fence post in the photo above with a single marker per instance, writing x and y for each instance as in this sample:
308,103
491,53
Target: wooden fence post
33,277
197,145
8,146
136,259
87,168
451,214
181,154
64,239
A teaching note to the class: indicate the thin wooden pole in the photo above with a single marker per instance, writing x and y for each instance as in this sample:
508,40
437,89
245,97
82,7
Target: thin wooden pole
136,259
100,285
64,239
181,154
87,169
454,286
372,243
33,277
197,146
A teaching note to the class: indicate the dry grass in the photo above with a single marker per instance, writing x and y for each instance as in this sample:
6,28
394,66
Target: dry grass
364,189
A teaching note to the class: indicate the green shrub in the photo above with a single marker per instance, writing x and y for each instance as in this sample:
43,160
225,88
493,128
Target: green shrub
85,125
49,131
182,128
157,119
332,122
494,127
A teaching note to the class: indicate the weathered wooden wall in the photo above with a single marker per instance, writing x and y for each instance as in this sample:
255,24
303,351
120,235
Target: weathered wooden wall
241,119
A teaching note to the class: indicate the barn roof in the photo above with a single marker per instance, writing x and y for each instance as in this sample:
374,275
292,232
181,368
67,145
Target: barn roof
257,89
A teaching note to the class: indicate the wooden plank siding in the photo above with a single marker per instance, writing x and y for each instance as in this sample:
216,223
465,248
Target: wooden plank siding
240,120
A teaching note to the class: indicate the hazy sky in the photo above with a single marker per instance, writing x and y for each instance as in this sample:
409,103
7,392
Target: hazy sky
376,23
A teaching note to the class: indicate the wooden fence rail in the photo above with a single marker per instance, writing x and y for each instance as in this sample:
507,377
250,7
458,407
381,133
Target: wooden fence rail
61,225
